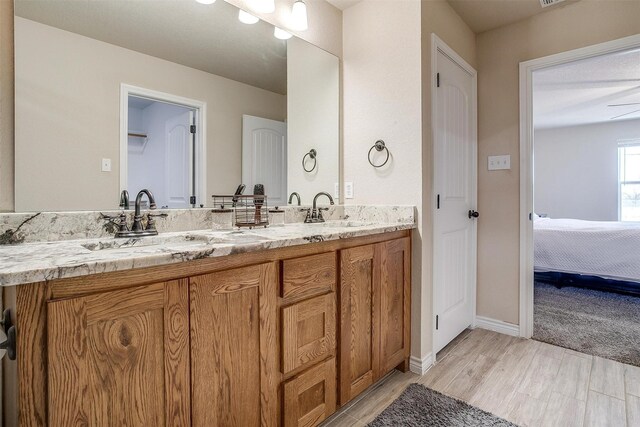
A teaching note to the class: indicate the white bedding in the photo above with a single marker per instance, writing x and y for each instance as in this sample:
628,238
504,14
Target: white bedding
596,248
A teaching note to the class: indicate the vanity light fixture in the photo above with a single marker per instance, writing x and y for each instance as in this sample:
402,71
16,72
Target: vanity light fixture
299,16
263,6
281,34
247,18
206,1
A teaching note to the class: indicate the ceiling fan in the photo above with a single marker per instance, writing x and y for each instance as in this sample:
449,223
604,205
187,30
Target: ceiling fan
624,105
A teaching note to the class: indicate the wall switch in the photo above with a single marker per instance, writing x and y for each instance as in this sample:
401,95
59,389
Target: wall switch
499,162
106,165
348,190
336,190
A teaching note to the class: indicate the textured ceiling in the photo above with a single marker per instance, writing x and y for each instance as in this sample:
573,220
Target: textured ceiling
485,15
205,37
588,91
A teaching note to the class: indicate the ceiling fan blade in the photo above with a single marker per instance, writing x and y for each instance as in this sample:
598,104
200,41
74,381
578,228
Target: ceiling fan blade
625,114
623,105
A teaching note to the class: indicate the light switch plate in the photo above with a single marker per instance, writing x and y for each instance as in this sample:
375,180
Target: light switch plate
499,162
106,165
348,190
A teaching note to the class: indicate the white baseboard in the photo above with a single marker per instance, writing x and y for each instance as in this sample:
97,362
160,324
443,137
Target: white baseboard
420,366
497,326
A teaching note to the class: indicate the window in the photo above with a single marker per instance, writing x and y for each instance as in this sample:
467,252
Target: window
629,179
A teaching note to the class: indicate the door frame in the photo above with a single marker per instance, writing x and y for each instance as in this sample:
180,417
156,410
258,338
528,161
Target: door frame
527,68
437,44
200,115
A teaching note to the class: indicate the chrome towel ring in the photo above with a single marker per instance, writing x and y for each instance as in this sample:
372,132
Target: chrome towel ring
312,155
379,146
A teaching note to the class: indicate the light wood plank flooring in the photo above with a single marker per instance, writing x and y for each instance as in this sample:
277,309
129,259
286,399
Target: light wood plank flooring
527,382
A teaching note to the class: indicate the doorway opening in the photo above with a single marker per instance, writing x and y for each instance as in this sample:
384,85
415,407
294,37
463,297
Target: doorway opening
162,147
580,121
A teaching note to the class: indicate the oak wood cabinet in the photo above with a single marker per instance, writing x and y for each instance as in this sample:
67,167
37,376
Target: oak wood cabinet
120,358
280,337
374,314
234,362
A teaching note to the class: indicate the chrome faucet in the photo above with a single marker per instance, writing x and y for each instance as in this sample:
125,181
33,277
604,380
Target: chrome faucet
291,197
315,214
137,229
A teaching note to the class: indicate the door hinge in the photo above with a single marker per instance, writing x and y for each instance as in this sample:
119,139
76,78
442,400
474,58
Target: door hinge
438,202
530,216
192,128
437,79
437,319
192,200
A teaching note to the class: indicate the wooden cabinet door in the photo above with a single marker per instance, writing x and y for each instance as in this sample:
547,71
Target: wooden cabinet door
310,397
308,332
395,303
359,271
234,348
120,358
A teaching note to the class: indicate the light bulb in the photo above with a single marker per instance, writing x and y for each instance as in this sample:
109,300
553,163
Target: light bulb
246,18
299,16
281,34
263,6
206,1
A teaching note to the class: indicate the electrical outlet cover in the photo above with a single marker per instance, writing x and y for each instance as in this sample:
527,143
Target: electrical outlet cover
348,190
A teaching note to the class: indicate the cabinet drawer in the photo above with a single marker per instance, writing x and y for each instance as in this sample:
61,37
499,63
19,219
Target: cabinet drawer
310,397
308,332
308,276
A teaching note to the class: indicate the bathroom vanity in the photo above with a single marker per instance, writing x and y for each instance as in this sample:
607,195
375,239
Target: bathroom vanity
278,326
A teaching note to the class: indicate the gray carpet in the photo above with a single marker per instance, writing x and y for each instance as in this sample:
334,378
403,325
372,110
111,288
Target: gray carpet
420,406
594,322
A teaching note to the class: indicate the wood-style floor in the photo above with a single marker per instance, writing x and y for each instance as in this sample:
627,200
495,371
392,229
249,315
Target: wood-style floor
527,382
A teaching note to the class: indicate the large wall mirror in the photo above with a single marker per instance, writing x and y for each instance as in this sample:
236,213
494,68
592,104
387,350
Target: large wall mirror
176,96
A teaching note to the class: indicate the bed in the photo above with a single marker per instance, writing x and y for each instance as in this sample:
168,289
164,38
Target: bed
595,254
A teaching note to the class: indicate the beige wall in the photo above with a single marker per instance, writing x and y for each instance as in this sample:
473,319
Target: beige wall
6,106
68,116
580,24
313,106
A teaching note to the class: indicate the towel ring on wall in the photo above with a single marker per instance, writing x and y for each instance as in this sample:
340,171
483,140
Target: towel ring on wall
379,146
312,155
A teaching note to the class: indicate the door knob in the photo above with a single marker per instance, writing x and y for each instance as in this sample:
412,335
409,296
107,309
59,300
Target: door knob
473,214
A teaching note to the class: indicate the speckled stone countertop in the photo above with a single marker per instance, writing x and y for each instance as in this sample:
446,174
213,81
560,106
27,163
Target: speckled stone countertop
39,261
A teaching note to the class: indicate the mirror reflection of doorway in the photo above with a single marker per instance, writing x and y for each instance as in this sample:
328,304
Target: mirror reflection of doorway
162,149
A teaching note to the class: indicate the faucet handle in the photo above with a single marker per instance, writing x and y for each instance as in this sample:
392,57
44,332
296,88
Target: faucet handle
308,218
320,217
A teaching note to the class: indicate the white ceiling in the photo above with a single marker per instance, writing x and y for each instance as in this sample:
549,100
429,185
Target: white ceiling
485,15
205,37
344,4
588,91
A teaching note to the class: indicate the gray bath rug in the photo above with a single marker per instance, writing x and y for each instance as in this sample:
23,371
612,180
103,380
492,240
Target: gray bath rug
594,322
419,406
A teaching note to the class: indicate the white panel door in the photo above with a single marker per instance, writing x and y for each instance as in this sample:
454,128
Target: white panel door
179,160
264,157
454,269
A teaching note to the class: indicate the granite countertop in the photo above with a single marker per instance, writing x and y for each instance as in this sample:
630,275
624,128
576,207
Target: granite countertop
36,262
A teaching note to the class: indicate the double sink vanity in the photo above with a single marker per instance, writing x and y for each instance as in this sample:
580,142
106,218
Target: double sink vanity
270,326
198,322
